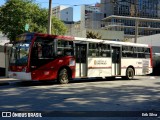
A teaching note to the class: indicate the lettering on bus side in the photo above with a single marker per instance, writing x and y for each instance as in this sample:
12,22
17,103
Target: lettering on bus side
100,62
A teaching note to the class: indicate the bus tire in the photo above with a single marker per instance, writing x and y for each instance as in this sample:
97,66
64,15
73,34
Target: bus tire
129,73
63,76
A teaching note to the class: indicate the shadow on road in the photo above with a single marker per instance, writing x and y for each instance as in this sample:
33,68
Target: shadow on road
54,82
95,95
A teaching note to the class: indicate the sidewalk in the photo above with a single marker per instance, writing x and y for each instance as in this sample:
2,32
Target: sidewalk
6,81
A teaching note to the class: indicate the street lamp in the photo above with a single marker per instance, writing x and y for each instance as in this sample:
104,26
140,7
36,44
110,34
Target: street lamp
49,17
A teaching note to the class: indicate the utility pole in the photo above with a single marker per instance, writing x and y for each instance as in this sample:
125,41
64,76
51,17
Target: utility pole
136,21
49,17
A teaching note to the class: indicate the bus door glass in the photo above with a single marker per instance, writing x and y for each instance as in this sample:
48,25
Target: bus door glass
116,60
81,59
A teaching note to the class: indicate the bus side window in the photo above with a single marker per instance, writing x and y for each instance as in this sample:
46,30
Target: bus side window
108,51
147,52
68,50
141,53
43,48
102,50
135,52
34,54
131,51
64,48
93,49
47,51
124,53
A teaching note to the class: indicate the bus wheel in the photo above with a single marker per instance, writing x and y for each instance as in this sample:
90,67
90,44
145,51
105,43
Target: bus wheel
63,76
130,73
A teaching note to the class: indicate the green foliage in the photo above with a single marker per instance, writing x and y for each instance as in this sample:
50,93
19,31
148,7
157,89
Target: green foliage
58,27
125,40
93,35
15,14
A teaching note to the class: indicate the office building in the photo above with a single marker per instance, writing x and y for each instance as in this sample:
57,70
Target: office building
133,10
91,16
63,13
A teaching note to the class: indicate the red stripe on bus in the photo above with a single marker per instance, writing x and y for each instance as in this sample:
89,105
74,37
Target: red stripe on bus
151,62
111,67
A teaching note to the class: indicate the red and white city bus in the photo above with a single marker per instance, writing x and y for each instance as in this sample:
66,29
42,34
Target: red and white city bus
36,56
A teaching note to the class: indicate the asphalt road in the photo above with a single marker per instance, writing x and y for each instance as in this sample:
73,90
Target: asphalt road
98,96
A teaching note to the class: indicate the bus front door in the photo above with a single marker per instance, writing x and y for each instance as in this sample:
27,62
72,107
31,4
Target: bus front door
116,61
81,60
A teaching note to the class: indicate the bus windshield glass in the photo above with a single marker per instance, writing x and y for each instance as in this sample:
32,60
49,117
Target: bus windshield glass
19,54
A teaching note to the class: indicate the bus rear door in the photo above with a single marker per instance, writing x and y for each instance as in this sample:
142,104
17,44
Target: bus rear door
81,59
116,60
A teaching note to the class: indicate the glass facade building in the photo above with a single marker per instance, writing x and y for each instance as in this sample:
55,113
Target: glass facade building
141,8
133,8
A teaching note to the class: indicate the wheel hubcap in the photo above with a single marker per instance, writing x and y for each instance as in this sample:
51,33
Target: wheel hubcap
64,77
130,74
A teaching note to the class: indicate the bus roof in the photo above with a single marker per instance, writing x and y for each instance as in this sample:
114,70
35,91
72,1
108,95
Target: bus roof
71,38
47,35
55,36
111,42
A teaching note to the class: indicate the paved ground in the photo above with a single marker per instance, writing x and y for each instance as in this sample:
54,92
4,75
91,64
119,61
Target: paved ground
141,94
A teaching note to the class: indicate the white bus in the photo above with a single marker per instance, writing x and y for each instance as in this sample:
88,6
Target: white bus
101,58
36,56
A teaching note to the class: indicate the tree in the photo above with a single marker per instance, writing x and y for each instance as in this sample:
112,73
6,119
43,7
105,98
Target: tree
93,35
15,14
125,40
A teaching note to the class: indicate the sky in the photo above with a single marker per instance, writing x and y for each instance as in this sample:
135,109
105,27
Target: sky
71,3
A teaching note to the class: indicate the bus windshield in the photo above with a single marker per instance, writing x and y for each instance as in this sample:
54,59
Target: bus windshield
19,54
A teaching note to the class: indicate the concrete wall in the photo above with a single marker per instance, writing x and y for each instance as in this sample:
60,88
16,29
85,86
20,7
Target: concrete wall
152,40
106,34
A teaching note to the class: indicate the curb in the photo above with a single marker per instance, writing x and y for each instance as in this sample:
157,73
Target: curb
4,83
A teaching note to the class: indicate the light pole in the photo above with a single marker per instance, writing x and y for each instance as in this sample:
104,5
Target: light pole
49,17
136,22
136,30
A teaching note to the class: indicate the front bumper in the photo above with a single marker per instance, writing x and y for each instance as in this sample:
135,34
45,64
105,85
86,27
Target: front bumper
20,75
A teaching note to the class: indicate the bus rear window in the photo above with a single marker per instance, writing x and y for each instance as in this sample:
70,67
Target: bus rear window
147,52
